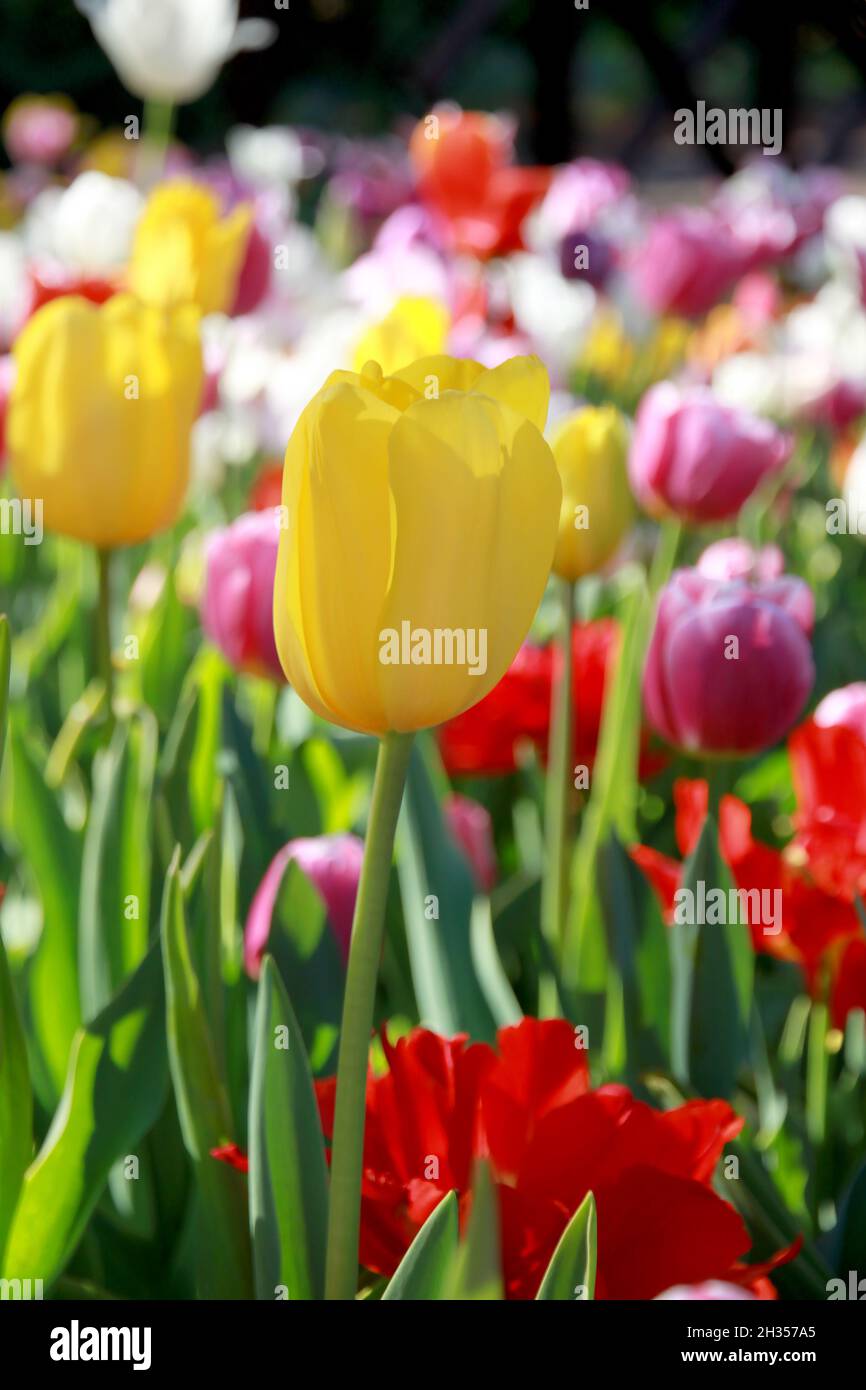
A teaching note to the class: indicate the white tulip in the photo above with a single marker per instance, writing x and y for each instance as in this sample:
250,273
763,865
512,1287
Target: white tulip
555,314
172,50
87,227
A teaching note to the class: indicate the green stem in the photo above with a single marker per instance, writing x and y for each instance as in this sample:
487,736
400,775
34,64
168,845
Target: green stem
103,636
158,127
554,891
341,1273
665,555
817,1070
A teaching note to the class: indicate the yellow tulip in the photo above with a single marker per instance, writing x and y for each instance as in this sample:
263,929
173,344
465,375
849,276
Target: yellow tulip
590,447
414,327
421,520
100,416
185,253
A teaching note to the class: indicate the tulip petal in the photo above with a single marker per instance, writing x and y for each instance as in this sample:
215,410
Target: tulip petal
334,557
521,383
476,495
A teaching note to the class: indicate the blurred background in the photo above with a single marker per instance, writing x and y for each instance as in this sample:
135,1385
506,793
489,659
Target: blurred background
602,80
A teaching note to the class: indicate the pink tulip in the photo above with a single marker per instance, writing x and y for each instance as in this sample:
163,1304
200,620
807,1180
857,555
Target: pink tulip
711,1291
39,130
846,707
688,262
729,666
238,601
472,828
700,459
734,558
332,863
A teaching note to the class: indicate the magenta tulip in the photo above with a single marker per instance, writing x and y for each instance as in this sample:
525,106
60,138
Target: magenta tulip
237,608
729,667
697,458
687,263
472,828
734,558
332,863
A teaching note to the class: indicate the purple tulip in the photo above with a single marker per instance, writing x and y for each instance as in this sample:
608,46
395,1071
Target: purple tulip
237,610
700,459
729,666
472,828
600,257
332,863
734,558
687,263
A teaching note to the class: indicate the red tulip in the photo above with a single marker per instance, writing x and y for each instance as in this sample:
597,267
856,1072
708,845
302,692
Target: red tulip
729,666
238,599
697,458
550,1139
462,164
819,928
486,739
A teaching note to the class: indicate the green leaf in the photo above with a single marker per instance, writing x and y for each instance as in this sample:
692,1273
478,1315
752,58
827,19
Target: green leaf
52,854
477,1271
423,1271
5,663
288,1179
613,799
16,1102
113,1094
494,982
165,652
204,777
637,944
570,1276
306,953
712,974
434,875
114,911
203,1110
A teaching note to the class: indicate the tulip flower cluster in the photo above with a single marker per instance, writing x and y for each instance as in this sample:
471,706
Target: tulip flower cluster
420,604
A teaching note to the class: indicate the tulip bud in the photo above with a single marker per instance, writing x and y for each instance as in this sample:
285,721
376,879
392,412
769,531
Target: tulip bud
332,863
472,828
687,262
697,458
172,50
237,605
734,558
729,666
185,253
100,416
590,448
422,513
40,129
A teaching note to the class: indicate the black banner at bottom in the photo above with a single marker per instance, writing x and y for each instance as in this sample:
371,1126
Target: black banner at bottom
222,1340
